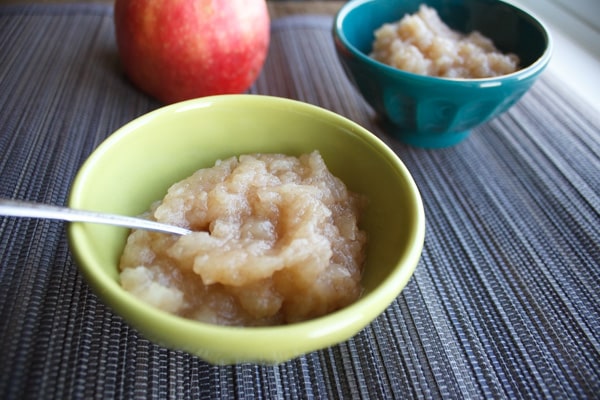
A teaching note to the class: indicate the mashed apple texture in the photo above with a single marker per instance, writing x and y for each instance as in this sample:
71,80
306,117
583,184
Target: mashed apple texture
276,241
423,44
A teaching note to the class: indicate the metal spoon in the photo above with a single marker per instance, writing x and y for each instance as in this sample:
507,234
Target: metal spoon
18,208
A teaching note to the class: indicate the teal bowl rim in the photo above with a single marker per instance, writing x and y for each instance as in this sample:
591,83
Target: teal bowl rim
524,73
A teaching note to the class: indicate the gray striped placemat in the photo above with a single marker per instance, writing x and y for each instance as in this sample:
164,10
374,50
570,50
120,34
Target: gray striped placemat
504,303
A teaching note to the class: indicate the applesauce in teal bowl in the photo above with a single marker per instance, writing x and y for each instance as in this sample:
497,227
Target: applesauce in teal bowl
429,111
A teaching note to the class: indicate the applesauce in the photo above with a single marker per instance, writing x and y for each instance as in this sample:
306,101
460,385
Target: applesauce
276,241
423,44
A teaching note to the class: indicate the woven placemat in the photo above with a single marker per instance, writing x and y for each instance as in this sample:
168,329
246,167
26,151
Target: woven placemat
504,303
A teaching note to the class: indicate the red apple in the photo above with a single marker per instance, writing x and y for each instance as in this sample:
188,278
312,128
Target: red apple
181,49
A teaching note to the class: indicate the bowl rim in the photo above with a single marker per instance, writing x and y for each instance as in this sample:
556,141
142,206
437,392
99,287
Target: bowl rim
532,69
358,314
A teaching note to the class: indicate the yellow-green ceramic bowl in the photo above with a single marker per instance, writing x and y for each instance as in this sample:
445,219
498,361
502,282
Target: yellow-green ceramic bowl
136,165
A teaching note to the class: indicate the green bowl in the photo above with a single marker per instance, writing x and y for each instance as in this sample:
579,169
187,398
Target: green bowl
434,112
136,165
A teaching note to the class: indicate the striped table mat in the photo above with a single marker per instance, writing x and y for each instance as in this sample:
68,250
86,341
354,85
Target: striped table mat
504,302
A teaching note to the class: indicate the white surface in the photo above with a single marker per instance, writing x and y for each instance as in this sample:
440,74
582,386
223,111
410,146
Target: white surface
576,53
586,10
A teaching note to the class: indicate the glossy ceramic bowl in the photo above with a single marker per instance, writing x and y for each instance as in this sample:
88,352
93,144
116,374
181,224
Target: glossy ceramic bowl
438,112
136,164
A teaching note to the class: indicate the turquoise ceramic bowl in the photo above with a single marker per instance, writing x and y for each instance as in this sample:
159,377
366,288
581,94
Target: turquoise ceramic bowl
438,112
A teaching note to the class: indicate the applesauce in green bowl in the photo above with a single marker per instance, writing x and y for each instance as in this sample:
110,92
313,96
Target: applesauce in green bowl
138,163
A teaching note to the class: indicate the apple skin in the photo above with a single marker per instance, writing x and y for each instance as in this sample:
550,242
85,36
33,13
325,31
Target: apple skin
176,50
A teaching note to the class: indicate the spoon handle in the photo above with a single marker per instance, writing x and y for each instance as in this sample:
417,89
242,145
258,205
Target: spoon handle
18,208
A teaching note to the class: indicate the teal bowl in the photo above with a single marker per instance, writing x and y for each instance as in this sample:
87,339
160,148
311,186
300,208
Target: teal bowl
434,112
